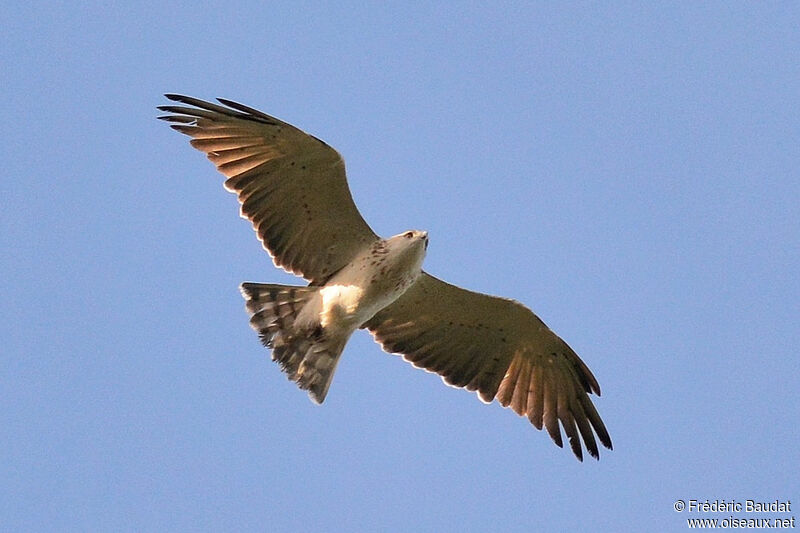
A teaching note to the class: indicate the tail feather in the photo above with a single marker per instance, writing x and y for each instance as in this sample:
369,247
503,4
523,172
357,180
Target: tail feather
306,353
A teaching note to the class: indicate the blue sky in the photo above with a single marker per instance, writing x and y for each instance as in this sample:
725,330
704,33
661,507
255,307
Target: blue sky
628,171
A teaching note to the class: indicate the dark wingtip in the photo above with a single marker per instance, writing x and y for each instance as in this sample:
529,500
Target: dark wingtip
605,438
250,112
596,452
181,119
575,444
183,128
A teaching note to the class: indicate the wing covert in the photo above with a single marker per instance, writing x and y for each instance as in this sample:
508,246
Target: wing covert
499,349
291,186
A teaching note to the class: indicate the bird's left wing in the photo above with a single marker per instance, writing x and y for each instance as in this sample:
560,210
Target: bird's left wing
498,348
291,185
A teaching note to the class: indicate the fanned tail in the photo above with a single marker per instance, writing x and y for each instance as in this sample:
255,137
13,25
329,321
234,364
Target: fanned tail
306,353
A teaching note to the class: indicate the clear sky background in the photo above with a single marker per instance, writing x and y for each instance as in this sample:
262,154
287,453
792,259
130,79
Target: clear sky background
628,171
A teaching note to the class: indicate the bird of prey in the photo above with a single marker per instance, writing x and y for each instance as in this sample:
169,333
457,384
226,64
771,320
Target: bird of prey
293,189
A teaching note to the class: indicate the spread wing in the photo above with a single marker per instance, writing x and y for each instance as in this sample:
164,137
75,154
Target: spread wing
291,185
498,348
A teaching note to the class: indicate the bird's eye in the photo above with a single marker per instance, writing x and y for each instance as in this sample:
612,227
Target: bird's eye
408,234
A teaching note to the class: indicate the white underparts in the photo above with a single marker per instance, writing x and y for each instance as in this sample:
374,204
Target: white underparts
340,303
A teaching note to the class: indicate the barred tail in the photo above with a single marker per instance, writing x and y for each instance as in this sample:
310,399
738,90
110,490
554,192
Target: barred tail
306,353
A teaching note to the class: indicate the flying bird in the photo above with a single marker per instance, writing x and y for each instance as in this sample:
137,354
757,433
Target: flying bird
293,189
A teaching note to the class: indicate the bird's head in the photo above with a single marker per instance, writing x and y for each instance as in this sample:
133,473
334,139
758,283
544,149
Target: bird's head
410,247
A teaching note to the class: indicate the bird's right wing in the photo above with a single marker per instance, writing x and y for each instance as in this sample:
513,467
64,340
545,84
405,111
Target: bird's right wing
291,185
498,348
